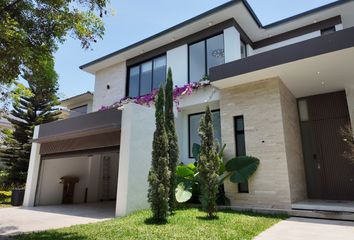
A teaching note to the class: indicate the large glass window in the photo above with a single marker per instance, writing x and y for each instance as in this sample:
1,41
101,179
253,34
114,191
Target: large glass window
193,126
159,71
204,55
146,76
239,128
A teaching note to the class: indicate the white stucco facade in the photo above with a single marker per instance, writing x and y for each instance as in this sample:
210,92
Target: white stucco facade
109,85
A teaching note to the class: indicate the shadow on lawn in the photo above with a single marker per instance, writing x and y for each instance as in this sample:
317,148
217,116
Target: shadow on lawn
153,221
49,235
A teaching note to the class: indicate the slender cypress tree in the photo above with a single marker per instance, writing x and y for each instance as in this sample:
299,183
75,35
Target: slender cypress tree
32,105
172,139
159,175
208,165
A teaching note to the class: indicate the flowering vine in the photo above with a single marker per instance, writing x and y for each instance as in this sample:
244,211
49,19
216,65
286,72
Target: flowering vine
149,99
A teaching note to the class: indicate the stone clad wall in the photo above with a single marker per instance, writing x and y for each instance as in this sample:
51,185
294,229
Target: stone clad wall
261,105
293,145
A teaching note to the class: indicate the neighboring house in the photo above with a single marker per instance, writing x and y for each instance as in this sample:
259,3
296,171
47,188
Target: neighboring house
279,92
4,124
76,105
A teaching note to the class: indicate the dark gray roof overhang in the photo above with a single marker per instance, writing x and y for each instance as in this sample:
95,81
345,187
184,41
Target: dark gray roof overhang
212,11
85,125
313,47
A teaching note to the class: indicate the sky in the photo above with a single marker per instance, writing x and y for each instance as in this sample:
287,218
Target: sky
134,20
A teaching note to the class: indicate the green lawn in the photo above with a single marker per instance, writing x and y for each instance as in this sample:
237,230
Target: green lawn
185,224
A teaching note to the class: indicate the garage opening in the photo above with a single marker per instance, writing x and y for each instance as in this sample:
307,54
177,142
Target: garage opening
96,174
79,161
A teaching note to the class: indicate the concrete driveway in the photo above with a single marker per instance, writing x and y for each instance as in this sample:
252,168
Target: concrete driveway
18,220
309,229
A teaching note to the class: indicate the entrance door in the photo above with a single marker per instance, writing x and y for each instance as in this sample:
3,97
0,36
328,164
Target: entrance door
329,174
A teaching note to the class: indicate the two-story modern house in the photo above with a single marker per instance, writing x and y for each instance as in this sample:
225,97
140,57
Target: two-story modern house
280,92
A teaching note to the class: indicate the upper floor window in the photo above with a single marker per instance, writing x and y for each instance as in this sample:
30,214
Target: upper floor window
328,30
204,55
145,77
243,49
77,111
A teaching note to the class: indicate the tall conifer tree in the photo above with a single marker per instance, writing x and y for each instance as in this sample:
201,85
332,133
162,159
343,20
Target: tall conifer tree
32,105
172,139
208,165
159,175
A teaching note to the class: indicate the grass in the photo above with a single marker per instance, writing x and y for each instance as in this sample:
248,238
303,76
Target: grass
5,199
184,224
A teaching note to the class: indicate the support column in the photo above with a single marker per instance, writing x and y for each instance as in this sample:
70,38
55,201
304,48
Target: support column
138,126
33,172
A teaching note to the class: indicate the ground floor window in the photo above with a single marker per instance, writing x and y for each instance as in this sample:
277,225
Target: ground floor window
239,128
193,125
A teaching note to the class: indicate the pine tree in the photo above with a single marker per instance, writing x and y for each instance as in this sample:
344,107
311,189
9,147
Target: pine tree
208,165
172,139
32,105
159,175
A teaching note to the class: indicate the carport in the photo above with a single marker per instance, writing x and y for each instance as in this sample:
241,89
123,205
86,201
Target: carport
106,153
84,148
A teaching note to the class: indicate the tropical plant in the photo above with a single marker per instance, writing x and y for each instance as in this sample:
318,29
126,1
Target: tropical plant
173,152
159,175
237,170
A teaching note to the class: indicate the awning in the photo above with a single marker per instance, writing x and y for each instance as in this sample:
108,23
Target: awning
306,49
84,134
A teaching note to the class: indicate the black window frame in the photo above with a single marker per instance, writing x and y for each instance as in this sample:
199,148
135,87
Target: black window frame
190,155
328,30
152,73
205,51
246,51
237,132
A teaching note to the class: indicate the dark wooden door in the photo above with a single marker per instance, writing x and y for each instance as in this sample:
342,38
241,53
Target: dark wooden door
329,174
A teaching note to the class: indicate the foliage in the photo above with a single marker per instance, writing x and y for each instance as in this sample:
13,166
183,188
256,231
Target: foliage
159,175
208,165
186,224
32,105
240,169
149,99
5,196
173,152
31,31
237,170
348,136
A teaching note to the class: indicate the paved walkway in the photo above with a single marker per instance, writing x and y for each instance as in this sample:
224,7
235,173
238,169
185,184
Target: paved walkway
309,229
17,220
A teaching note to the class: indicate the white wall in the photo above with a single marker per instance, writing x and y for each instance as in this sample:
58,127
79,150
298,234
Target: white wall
177,59
115,77
138,126
232,44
